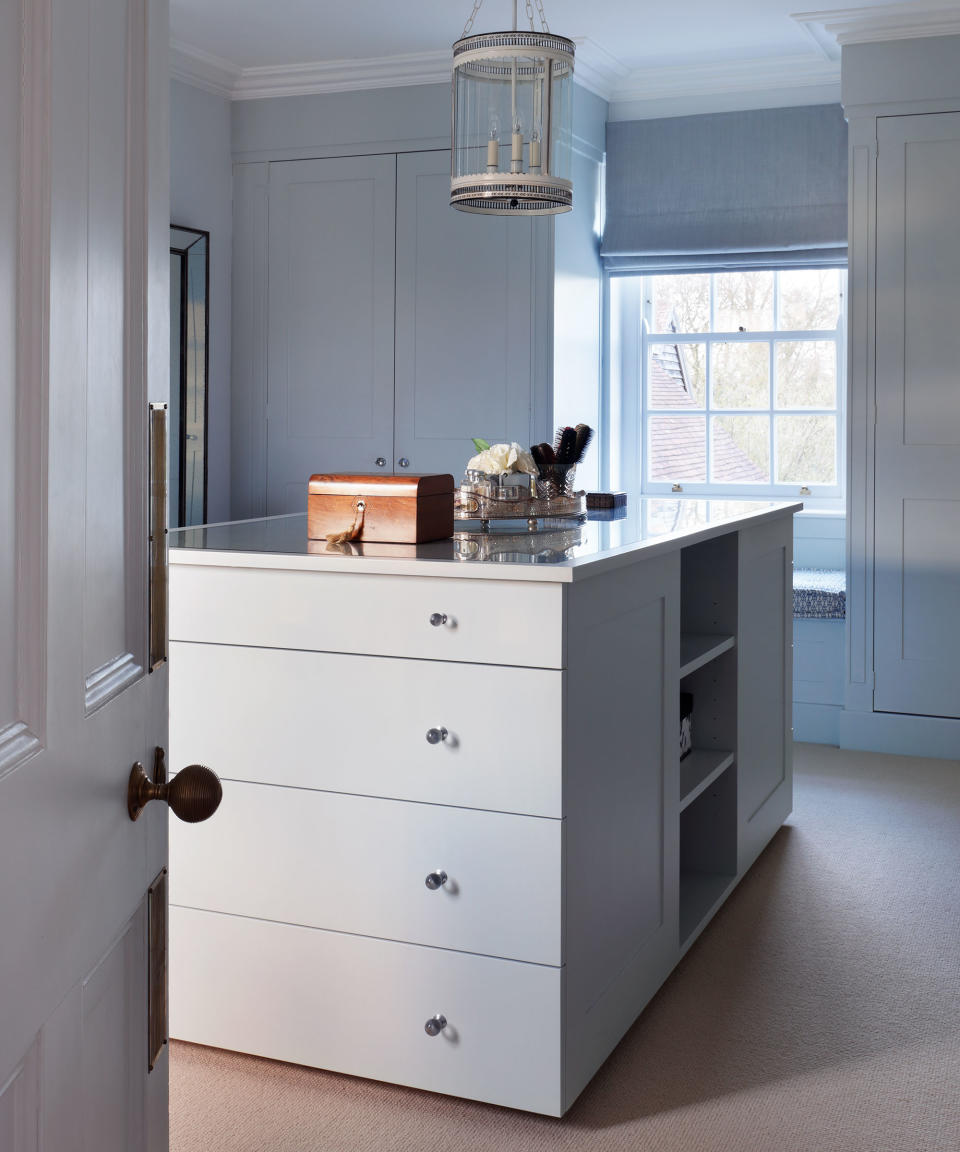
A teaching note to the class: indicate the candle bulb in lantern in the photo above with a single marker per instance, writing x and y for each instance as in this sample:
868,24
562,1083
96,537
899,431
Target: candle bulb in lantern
535,151
493,145
516,152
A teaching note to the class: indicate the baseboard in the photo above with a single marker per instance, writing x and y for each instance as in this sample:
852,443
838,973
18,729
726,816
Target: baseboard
896,733
816,723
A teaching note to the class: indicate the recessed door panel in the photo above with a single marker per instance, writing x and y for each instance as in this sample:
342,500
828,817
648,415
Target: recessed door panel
931,564
105,633
9,203
931,259
331,303
464,322
917,511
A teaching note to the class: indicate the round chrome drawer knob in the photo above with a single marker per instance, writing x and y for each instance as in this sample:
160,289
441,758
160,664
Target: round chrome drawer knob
438,618
403,462
436,880
436,735
381,461
435,1025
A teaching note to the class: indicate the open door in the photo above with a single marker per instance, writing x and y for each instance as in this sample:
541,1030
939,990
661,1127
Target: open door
84,92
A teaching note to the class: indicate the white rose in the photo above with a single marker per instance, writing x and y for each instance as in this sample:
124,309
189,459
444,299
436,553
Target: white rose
524,462
487,461
500,458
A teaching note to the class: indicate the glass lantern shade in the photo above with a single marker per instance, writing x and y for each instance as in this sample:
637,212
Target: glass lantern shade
512,123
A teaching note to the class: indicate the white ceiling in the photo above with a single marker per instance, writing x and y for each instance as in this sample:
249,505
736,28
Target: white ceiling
648,58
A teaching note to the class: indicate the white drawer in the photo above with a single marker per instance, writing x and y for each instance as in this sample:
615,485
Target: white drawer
487,621
359,864
358,724
358,1005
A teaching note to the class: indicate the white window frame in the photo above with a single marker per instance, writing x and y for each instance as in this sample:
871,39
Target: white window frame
630,336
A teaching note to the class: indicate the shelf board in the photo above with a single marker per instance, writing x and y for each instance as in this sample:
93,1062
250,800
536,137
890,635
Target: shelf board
699,770
701,894
697,650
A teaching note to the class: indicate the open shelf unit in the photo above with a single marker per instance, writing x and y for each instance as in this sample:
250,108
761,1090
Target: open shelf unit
707,809
697,649
699,770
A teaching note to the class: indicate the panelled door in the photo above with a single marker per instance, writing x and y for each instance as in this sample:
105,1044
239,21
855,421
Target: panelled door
917,531
330,302
465,317
84,90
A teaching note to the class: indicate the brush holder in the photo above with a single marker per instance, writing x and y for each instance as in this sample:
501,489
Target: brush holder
546,490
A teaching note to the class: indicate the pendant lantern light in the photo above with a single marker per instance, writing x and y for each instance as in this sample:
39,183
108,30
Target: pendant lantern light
512,119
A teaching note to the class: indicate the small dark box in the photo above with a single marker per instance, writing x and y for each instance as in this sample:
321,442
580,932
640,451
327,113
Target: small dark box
596,500
686,724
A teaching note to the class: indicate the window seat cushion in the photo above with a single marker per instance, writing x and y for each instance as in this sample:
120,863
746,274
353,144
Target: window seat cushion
819,594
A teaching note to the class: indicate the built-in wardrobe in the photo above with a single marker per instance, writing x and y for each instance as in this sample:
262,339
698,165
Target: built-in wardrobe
902,101
375,328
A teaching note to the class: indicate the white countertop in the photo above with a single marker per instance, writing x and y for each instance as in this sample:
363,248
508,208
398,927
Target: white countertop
580,550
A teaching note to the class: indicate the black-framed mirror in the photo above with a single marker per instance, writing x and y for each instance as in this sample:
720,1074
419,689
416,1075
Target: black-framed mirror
189,368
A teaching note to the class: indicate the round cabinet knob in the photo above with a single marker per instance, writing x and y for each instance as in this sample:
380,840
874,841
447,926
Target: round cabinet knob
436,880
381,461
435,1025
438,618
435,735
403,462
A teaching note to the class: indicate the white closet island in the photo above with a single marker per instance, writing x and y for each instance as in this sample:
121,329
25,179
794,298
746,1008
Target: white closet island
457,848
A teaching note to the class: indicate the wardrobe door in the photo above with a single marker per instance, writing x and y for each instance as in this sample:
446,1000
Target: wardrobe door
331,304
465,315
917,568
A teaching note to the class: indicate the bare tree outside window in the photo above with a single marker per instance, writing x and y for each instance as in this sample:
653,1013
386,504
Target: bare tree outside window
756,353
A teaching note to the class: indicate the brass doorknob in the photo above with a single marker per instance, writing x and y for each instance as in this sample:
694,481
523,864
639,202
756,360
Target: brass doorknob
194,794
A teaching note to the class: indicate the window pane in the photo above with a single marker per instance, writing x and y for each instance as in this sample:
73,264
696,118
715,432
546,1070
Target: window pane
681,303
677,376
806,374
806,449
744,301
740,375
809,300
740,449
678,448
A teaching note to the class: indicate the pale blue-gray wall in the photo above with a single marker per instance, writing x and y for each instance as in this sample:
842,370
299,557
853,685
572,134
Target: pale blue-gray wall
201,194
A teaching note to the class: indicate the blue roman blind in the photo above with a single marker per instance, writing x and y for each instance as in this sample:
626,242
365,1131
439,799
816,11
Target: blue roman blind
765,188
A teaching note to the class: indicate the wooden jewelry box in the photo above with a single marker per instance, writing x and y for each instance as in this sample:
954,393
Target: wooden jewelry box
397,509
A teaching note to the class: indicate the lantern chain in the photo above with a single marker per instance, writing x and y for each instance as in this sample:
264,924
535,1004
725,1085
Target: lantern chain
477,4
470,19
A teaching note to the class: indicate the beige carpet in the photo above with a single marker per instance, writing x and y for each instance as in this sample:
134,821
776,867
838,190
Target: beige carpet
820,1011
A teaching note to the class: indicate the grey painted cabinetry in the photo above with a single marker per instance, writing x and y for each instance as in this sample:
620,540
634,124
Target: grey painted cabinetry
375,327
917,541
532,878
902,101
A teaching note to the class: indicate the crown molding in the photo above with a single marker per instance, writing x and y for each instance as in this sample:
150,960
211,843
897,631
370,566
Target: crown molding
830,30
647,91
203,69
689,90
596,69
343,75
